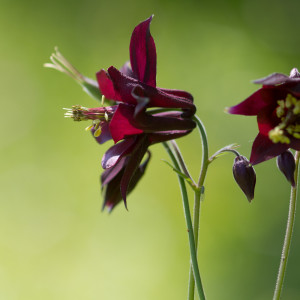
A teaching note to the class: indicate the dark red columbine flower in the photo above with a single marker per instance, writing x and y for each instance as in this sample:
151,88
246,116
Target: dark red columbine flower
128,123
277,107
135,89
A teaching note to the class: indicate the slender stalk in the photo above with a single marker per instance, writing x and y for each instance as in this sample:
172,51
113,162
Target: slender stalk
288,234
196,221
205,161
188,218
181,161
197,199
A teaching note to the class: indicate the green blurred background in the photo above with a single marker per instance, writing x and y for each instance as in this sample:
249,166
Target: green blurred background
54,241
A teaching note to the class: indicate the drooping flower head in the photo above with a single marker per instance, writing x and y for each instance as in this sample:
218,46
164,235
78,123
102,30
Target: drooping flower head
130,123
244,175
287,165
277,107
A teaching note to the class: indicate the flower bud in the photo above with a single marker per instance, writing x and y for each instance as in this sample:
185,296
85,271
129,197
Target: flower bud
286,164
244,175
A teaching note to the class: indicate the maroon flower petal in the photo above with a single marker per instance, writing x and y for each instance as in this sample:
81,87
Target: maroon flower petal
106,86
112,194
274,79
143,53
124,86
267,120
264,149
113,155
278,78
137,175
105,133
256,102
121,123
295,144
178,93
162,122
293,89
166,136
109,174
136,157
126,122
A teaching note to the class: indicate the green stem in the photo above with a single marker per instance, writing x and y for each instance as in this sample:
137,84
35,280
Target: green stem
181,161
196,218
189,225
205,161
288,234
197,198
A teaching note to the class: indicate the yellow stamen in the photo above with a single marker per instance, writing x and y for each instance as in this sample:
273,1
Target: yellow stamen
89,127
296,109
288,111
279,111
281,103
97,132
290,101
296,135
290,129
276,135
102,100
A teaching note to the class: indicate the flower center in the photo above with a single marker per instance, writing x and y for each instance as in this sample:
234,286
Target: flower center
288,111
98,115
76,113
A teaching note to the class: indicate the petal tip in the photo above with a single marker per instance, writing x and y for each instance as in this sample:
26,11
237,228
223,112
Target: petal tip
227,110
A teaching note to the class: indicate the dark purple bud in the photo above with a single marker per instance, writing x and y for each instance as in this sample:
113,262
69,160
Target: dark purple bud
286,164
294,73
244,175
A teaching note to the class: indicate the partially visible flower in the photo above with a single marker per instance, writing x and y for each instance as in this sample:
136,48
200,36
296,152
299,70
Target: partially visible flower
244,175
286,164
277,107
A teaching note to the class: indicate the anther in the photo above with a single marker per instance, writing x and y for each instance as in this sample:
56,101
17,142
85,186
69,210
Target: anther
89,127
276,135
97,132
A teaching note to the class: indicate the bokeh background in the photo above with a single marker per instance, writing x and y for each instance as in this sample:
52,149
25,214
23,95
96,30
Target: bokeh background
55,243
